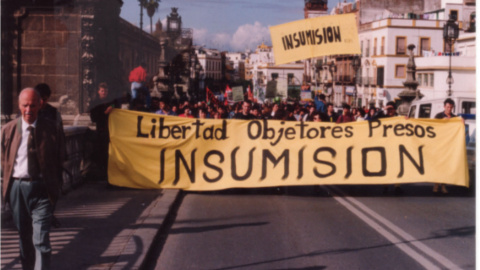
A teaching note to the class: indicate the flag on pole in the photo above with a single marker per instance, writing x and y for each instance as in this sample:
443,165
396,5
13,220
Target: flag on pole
211,97
249,92
228,95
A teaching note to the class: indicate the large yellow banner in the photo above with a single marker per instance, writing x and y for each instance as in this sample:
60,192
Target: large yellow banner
155,151
327,35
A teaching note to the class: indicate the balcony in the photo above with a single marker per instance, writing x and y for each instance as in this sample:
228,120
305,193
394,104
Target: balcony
344,79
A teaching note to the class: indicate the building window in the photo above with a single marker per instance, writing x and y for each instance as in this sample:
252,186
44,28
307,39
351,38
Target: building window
382,48
380,76
367,52
400,71
425,79
361,47
290,78
374,47
424,45
401,45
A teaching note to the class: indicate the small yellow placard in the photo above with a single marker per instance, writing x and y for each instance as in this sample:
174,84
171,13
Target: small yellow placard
303,39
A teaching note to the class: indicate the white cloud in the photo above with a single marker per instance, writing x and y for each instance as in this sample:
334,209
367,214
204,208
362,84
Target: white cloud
221,41
247,36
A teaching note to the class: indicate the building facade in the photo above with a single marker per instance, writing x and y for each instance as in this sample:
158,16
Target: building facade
72,46
384,42
261,66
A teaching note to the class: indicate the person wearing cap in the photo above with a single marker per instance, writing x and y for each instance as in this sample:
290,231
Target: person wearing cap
346,115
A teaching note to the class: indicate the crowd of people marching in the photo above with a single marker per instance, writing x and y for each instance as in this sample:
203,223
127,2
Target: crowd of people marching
314,111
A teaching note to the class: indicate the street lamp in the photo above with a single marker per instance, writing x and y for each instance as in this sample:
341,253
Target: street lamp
333,71
357,62
450,34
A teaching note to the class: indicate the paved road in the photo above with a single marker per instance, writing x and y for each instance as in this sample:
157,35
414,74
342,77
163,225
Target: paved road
336,227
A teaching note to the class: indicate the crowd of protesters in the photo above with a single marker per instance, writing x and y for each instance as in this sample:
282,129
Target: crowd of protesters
317,110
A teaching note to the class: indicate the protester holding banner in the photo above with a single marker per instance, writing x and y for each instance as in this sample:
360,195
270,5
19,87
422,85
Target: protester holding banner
162,108
275,108
346,115
371,113
330,116
448,106
360,115
100,109
309,115
388,111
317,117
245,113
186,112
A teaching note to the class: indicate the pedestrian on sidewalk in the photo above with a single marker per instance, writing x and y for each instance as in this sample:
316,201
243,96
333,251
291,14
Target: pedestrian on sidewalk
33,151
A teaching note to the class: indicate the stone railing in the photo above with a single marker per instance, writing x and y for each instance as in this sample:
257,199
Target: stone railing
73,167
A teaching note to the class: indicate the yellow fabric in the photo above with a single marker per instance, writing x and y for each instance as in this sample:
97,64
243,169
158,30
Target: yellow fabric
327,35
154,151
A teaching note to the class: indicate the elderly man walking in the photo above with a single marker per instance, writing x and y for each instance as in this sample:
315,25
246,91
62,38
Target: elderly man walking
32,152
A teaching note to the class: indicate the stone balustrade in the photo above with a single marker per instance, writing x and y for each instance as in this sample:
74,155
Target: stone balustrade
76,143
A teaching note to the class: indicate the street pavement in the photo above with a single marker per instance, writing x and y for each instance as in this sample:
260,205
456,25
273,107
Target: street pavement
330,227
342,227
102,227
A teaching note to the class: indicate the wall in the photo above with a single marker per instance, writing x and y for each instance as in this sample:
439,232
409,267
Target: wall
72,46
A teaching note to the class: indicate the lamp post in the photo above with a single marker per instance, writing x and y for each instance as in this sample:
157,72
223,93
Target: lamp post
450,34
333,71
356,63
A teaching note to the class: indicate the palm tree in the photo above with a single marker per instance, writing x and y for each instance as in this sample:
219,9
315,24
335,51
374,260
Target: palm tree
151,6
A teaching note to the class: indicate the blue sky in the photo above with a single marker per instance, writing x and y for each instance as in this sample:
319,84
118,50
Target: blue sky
233,25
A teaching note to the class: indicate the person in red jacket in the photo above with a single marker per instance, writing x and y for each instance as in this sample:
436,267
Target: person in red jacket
346,116
138,78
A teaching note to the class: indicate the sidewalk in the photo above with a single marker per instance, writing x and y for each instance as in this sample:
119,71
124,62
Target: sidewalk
101,228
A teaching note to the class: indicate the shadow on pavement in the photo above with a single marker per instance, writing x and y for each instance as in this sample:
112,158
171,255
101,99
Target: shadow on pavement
96,223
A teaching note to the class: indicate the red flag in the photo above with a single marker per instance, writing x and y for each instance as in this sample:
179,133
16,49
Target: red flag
250,94
211,97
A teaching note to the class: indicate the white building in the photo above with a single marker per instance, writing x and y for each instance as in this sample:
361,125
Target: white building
384,45
261,66
211,62
432,71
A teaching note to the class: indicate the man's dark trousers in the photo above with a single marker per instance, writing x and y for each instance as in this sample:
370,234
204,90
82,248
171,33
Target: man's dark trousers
31,206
